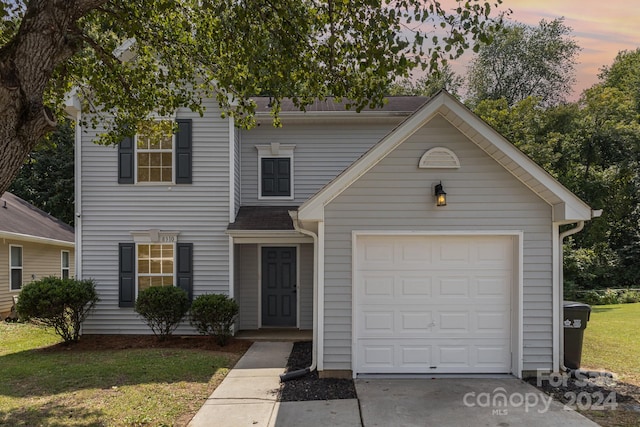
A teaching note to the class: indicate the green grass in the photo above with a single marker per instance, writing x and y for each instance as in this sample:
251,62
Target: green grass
612,341
134,387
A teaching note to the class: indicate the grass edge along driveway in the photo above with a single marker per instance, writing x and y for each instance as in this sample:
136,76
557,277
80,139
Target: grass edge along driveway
44,385
612,341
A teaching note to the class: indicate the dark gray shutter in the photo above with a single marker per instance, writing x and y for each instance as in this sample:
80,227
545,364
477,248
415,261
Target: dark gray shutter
127,281
183,152
184,279
276,176
125,161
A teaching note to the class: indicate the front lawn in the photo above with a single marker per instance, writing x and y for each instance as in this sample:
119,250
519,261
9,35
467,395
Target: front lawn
612,341
45,383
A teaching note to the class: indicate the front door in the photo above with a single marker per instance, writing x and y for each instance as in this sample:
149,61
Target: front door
279,286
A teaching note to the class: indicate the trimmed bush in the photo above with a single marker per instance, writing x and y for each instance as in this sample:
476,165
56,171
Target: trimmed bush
62,304
162,308
214,315
608,296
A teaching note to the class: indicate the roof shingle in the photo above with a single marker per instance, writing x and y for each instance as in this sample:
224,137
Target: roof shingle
263,218
18,216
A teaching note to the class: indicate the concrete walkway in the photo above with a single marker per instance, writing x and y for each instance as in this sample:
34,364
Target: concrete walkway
247,397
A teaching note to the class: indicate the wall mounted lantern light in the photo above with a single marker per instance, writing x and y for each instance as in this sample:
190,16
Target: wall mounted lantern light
441,196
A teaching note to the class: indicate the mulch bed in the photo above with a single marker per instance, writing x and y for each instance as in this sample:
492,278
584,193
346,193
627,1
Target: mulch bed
605,400
123,342
311,386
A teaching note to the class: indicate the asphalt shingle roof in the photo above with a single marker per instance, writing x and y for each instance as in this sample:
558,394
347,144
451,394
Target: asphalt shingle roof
18,216
263,218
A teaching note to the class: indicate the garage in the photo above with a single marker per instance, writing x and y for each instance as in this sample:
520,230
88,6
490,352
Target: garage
438,304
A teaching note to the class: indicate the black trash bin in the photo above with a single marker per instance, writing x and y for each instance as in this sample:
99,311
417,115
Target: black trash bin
575,318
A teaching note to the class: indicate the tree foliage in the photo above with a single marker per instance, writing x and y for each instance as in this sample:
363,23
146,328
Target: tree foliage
524,61
592,146
62,304
442,78
128,58
46,180
624,74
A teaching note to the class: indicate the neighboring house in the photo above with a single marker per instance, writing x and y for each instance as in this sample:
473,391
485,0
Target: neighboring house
33,245
330,223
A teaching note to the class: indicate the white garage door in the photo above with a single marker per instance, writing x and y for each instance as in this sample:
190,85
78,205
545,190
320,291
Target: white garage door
433,304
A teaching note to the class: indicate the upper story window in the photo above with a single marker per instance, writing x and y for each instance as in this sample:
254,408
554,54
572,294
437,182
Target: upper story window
154,152
64,264
275,171
15,267
160,153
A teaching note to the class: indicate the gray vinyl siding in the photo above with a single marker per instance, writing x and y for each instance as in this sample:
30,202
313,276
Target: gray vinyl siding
198,211
322,151
248,283
305,287
247,277
397,195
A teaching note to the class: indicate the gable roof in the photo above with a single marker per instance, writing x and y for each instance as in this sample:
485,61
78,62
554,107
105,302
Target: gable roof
22,221
567,207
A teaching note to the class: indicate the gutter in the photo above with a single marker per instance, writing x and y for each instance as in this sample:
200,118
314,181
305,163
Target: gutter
314,351
35,239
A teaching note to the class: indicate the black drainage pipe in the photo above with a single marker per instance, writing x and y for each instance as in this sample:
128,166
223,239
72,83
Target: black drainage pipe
287,376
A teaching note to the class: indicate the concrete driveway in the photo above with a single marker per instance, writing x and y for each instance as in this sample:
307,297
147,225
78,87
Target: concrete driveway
460,402
248,397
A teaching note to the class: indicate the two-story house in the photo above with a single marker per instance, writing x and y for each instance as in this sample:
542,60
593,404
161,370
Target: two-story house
411,239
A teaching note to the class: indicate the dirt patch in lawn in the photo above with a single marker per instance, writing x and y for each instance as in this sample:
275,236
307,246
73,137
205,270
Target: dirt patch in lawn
122,342
603,399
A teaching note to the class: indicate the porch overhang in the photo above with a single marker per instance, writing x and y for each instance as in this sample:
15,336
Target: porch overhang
268,236
265,224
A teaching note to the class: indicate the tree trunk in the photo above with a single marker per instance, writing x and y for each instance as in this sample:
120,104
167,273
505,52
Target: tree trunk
48,36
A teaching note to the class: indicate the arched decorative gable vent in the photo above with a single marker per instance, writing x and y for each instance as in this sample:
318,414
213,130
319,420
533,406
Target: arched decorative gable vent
439,158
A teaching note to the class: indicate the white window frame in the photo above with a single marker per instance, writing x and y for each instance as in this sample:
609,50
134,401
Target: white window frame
136,150
11,268
155,237
276,150
62,266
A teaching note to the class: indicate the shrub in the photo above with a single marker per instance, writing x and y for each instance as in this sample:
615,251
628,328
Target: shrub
214,315
629,296
60,303
162,308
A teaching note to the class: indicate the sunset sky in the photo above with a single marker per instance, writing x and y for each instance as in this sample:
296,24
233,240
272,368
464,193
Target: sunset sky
601,28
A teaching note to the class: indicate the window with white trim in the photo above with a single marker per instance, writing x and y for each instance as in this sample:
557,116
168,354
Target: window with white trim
15,267
154,152
275,171
64,264
155,265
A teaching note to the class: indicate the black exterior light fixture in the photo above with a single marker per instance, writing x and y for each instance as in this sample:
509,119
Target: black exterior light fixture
441,196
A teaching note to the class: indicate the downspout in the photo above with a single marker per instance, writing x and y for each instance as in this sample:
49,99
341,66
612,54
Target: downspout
561,237
77,250
314,351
